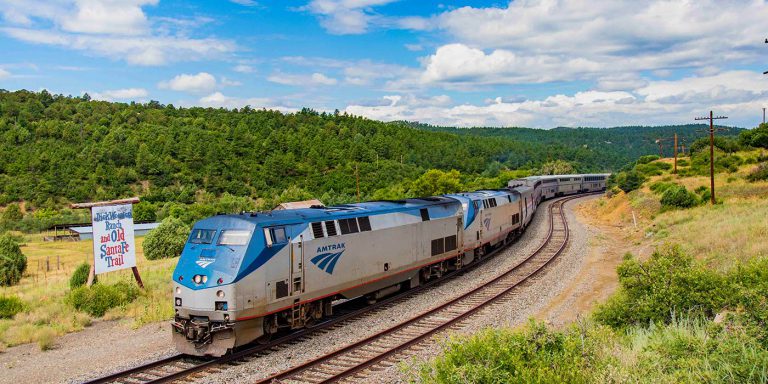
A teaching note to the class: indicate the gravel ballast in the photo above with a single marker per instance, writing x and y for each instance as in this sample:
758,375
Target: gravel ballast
87,354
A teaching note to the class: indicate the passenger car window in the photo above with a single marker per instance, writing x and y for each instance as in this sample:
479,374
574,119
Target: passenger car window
202,236
234,237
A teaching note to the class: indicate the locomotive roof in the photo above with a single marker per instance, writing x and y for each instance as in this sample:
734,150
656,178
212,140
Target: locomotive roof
287,216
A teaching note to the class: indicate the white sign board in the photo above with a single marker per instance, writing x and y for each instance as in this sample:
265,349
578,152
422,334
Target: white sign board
113,241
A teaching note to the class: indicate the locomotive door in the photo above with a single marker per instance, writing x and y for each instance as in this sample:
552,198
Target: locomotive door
297,266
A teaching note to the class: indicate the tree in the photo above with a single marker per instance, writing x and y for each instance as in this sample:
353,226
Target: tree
13,263
556,167
12,213
167,240
436,182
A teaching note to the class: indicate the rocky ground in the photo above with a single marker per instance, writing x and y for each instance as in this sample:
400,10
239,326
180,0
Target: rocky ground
583,275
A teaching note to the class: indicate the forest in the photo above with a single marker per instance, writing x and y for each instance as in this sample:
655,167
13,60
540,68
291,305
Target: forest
59,149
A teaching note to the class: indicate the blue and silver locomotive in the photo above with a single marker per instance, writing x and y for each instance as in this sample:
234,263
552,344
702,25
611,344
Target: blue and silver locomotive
248,276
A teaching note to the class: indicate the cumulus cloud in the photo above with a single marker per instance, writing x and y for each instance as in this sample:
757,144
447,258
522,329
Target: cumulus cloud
120,94
605,37
299,80
740,94
116,29
201,83
4,74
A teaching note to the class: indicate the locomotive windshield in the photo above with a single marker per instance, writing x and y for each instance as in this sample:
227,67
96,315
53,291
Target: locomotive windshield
234,237
202,236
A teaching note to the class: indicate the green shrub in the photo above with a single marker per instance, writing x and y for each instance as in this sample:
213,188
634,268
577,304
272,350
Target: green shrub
660,187
647,159
678,197
533,355
758,174
669,284
80,276
627,181
167,240
10,306
13,263
683,163
98,299
12,213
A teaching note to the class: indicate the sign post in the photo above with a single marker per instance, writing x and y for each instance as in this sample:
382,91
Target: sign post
113,238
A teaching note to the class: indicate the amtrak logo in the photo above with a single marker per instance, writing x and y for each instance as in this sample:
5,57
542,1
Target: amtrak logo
327,260
204,262
487,223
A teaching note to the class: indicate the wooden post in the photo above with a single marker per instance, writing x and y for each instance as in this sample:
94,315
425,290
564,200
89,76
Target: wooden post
675,171
712,156
92,272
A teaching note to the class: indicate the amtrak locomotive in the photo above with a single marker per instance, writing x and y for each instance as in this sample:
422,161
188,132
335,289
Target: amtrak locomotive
245,277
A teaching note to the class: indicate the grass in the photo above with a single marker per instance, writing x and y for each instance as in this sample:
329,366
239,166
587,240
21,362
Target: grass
722,237
43,292
686,351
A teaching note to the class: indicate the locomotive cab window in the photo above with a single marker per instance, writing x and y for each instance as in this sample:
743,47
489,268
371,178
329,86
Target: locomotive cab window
234,237
424,214
275,235
202,236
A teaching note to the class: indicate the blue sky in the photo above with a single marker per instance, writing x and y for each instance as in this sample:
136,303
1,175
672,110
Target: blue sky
525,63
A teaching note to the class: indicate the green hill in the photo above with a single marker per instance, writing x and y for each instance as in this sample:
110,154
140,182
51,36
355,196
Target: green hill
57,149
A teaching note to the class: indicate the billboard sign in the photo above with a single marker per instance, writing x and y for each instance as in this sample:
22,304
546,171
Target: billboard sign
113,240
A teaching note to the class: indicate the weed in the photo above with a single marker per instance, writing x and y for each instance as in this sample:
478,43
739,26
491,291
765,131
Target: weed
10,306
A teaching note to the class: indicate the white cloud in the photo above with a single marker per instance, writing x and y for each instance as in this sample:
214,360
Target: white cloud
116,29
120,94
134,50
219,100
609,36
107,17
360,72
202,82
458,63
247,3
4,74
739,94
299,80
345,16
243,68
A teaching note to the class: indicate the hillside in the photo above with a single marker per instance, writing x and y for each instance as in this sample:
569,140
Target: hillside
691,300
607,148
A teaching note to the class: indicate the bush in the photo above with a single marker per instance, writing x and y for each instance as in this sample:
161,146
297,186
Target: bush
647,159
10,306
670,284
167,240
533,355
758,174
13,263
12,213
626,181
678,196
98,299
660,187
80,276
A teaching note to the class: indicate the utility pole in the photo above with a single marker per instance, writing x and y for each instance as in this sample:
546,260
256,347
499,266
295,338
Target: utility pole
711,119
675,170
763,115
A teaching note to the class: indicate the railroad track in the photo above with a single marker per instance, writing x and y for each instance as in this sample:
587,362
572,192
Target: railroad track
187,367
355,361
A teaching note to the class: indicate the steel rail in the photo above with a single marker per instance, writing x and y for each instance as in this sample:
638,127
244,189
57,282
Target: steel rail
148,370
293,373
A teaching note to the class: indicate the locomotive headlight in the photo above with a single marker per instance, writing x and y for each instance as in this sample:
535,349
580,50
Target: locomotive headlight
197,279
205,279
178,290
220,293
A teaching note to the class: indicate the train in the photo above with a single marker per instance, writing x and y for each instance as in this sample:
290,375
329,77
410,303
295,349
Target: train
245,277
